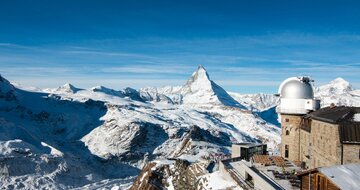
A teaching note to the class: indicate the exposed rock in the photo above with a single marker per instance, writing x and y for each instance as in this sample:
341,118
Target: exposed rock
182,173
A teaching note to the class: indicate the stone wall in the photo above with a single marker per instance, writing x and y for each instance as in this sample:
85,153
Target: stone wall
305,147
290,136
318,148
351,153
325,146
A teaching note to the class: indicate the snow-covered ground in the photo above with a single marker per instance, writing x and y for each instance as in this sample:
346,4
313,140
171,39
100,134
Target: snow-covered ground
217,181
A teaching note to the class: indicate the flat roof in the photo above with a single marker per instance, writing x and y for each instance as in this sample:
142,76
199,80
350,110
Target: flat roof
266,172
249,144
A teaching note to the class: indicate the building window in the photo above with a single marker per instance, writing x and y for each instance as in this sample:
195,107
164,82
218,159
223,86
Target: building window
249,178
286,151
286,120
287,132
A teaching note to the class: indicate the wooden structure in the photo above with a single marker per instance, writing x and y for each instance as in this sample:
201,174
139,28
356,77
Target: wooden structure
340,177
318,181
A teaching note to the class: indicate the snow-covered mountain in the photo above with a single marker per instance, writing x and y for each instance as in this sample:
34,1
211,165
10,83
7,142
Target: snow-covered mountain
338,92
198,90
69,137
66,88
256,102
75,138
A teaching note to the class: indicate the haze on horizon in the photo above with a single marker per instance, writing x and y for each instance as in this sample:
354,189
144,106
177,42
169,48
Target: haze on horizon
246,46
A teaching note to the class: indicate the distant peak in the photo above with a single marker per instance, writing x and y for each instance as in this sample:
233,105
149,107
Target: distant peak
339,80
336,86
67,87
98,87
341,83
102,89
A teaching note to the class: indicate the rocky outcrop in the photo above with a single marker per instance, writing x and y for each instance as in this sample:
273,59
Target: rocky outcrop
148,179
127,141
181,174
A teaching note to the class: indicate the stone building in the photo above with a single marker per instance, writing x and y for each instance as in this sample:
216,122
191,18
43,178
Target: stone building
316,137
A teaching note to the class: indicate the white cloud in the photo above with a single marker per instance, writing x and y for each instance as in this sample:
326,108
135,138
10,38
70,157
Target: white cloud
149,69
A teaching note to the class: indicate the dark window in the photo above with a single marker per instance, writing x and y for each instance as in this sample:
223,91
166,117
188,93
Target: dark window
287,132
249,178
286,120
286,151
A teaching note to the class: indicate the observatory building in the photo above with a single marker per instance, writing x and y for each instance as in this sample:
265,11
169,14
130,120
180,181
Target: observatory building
297,96
313,136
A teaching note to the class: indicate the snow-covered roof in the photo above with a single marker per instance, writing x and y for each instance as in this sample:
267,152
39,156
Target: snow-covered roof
344,176
356,117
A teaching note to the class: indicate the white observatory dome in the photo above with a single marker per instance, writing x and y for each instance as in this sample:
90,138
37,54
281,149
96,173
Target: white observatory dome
296,88
297,96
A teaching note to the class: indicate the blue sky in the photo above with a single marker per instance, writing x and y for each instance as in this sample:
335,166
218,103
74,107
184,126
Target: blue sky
246,46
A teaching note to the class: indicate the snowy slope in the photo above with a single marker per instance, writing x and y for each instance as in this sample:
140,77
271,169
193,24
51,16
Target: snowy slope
256,102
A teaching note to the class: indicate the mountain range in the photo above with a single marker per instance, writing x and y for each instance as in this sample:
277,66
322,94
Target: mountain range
70,137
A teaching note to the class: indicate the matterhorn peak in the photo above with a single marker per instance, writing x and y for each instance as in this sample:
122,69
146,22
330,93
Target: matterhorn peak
199,89
69,86
201,73
199,80
201,68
